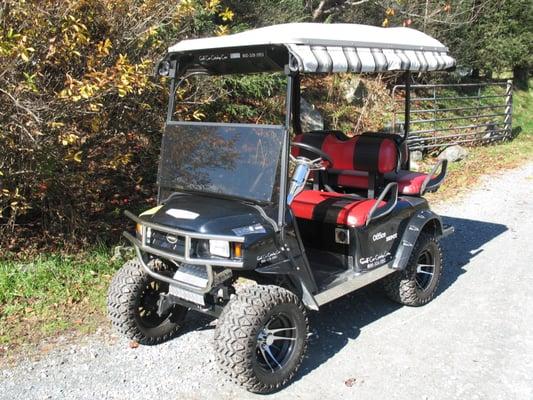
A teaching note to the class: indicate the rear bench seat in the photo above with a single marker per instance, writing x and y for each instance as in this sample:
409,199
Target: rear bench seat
349,154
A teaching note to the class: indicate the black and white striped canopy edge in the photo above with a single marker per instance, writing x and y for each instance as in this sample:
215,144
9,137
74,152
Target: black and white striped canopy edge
325,59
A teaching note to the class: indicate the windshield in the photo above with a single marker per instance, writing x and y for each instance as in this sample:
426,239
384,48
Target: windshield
227,159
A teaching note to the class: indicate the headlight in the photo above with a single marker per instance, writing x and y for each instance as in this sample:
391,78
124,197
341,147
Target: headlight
219,248
139,231
164,68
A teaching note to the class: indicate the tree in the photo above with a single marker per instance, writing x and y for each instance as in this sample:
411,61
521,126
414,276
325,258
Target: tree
502,39
258,13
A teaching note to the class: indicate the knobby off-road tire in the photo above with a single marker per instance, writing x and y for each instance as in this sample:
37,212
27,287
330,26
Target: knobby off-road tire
414,286
243,329
132,305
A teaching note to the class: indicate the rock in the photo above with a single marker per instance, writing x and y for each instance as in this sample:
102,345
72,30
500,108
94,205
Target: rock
416,155
453,154
491,132
414,166
123,253
311,119
354,91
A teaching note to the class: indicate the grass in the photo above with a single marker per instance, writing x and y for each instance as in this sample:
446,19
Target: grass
52,294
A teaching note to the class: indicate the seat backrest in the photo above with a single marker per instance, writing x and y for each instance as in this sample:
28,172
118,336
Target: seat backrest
401,144
373,154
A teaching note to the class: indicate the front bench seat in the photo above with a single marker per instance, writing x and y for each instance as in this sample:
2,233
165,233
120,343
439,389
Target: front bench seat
332,208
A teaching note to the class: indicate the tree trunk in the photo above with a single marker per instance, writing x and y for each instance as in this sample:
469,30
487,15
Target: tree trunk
319,11
520,77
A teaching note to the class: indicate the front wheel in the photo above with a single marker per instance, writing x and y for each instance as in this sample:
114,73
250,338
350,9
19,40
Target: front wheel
133,304
418,283
261,337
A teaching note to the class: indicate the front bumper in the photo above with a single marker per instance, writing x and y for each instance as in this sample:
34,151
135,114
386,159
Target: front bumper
142,247
187,237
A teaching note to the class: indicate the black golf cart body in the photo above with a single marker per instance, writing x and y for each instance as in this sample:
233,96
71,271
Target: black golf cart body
232,207
322,254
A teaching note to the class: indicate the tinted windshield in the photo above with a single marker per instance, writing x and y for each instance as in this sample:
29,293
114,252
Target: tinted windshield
228,159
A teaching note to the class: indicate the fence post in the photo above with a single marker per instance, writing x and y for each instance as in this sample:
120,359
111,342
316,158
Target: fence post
435,141
508,120
395,109
479,134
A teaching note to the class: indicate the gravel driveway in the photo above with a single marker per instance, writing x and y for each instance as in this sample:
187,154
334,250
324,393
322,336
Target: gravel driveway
474,341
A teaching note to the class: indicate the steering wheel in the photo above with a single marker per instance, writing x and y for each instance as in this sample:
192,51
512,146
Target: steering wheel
315,163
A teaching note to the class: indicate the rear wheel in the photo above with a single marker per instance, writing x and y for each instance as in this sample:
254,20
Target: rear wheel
261,338
133,304
418,283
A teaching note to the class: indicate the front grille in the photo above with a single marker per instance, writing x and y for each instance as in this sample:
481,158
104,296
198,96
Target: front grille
169,242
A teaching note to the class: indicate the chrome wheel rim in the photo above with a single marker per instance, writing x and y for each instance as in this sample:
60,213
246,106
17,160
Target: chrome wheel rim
425,270
275,343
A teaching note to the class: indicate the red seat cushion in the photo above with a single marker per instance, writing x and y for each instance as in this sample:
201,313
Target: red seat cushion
334,208
409,182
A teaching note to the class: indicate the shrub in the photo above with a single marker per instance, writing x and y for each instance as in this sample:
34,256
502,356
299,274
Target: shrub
81,113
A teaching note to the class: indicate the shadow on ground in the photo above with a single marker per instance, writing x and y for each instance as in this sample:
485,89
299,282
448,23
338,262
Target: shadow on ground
341,321
465,243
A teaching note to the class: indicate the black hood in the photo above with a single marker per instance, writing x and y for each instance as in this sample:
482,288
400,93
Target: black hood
206,214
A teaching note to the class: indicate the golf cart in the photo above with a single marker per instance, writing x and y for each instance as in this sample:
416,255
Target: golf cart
257,224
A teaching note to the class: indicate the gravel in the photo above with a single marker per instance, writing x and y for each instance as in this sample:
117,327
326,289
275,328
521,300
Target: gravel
474,341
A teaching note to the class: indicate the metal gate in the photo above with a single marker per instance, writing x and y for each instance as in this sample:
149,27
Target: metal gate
447,114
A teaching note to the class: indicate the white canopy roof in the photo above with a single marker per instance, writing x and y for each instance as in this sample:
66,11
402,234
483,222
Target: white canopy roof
338,47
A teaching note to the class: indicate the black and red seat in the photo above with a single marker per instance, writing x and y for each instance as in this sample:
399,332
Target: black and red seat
351,155
372,155
333,208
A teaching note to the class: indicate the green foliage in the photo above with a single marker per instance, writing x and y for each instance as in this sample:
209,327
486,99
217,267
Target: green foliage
52,293
257,13
249,98
76,77
51,279
500,39
523,115
254,86
485,160
492,35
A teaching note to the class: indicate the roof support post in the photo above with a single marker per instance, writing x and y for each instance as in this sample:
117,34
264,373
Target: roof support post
296,105
407,116
172,94
285,148
171,99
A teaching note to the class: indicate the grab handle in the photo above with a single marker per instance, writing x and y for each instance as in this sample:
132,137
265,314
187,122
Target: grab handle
378,212
432,183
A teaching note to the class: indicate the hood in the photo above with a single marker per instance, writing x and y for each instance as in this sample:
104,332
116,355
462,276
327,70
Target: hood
205,214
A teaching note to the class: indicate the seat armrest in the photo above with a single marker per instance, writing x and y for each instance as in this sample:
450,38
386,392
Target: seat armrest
432,183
